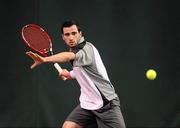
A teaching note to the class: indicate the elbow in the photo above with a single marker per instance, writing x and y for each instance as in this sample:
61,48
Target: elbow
70,56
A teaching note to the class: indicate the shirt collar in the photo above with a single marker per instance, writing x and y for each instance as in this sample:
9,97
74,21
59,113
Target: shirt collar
79,45
81,40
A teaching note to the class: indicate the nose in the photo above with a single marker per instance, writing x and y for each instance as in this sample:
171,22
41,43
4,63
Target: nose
71,37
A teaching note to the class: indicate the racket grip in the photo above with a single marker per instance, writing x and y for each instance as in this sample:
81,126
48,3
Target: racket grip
56,65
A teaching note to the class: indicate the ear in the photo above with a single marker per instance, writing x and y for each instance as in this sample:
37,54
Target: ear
80,33
62,36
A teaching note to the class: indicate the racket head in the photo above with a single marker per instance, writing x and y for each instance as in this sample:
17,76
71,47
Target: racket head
36,38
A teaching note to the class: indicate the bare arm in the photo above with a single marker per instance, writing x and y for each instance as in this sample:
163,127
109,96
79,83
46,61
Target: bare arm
59,58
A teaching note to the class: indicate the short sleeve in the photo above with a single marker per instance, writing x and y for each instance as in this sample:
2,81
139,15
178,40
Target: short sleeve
84,57
72,74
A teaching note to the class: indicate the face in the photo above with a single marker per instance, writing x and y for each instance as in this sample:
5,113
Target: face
71,35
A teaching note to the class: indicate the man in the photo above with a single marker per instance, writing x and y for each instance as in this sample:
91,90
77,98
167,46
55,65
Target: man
99,104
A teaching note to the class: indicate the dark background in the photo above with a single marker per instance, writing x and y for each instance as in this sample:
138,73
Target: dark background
131,35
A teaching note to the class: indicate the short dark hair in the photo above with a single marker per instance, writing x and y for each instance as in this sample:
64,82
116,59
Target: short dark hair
69,23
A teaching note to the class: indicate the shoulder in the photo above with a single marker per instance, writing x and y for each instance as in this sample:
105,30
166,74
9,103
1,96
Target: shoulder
89,46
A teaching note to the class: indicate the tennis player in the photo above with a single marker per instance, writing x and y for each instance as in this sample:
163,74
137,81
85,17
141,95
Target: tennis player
99,103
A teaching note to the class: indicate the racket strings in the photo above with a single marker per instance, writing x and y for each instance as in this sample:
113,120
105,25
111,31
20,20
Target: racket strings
37,39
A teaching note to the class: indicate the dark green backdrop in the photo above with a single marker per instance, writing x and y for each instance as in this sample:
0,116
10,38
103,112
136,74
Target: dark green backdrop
132,36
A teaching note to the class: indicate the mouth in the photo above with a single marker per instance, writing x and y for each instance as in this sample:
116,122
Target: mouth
72,43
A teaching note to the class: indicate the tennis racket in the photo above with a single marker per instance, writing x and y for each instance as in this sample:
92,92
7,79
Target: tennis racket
39,40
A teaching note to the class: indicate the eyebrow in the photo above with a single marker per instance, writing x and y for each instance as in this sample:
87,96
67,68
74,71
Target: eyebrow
72,33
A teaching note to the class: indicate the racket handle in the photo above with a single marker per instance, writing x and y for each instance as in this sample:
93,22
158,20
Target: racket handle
56,65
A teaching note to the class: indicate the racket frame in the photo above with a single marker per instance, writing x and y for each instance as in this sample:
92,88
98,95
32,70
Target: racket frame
43,53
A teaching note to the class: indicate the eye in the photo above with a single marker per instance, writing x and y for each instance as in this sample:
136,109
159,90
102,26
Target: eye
67,34
74,33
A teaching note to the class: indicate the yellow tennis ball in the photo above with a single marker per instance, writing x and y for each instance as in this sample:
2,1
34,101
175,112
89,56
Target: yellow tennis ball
151,74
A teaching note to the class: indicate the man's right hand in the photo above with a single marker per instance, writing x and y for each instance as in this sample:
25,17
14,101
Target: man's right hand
65,75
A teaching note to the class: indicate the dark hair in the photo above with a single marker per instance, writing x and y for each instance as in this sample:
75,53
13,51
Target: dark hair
69,23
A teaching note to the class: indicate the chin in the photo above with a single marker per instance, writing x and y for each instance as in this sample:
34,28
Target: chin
71,46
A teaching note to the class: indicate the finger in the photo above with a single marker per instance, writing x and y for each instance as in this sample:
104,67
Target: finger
31,54
63,78
37,56
33,66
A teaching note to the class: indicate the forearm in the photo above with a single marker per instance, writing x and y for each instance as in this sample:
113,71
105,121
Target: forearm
60,57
